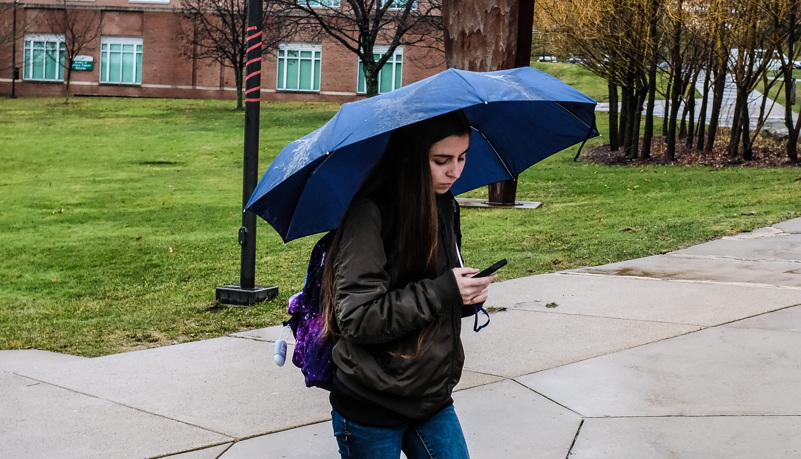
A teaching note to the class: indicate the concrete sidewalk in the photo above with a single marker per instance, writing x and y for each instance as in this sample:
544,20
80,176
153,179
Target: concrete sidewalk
695,353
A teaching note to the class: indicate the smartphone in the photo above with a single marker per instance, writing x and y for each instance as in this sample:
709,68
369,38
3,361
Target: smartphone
492,269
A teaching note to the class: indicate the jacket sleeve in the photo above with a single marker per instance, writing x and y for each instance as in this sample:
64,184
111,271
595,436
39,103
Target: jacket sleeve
367,312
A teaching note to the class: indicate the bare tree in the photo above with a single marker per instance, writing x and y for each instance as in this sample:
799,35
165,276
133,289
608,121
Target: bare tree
617,40
706,42
362,25
789,24
751,30
215,30
81,28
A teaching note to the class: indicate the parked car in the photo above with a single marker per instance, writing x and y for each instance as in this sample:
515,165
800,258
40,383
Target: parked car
547,59
575,60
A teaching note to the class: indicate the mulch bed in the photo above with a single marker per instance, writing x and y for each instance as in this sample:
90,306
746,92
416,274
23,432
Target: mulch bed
767,153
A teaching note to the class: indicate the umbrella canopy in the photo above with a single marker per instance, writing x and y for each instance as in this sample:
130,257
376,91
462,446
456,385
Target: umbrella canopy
519,117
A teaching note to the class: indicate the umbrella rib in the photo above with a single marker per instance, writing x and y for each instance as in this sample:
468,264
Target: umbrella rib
458,73
572,114
503,163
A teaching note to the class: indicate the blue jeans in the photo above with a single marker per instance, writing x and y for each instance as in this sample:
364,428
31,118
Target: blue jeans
439,437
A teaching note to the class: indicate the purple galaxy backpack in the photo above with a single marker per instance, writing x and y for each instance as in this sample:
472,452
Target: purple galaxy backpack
312,353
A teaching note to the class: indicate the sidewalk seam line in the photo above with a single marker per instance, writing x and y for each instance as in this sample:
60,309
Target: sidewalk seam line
688,281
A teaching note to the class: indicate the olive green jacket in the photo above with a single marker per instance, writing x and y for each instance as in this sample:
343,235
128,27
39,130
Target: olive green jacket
374,318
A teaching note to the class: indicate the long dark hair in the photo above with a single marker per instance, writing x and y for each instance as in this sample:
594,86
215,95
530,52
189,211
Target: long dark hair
403,177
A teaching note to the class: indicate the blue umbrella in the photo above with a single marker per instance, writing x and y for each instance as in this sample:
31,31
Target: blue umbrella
519,117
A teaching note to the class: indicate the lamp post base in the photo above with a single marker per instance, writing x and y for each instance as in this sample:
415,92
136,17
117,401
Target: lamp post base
236,295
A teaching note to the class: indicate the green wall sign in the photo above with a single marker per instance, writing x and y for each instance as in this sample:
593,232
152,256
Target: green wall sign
83,63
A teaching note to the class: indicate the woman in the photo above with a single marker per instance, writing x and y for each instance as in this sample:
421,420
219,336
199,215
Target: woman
394,294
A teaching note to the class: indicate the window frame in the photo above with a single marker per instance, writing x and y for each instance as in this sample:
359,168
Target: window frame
393,7
316,60
323,3
28,60
105,59
361,81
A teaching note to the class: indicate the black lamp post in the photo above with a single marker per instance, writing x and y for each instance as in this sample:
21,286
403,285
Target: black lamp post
246,292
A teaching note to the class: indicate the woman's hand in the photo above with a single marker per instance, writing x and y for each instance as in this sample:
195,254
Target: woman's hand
473,290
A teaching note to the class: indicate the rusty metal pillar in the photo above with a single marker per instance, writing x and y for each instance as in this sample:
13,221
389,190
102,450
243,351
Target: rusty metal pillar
488,35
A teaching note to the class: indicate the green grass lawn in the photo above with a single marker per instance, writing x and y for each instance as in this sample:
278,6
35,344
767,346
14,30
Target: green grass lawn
577,76
119,218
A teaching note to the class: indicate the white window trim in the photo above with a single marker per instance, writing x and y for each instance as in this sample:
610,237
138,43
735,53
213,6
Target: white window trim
121,40
44,36
381,49
298,47
31,37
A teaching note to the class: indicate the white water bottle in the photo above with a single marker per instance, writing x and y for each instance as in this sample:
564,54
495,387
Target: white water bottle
279,353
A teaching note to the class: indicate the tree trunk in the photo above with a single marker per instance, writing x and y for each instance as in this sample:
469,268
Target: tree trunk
653,43
614,138
792,129
238,78
683,119
67,81
370,79
675,97
691,111
666,110
676,90
702,114
488,35
625,112
645,153
792,142
639,100
633,110
714,118
789,86
734,138
748,153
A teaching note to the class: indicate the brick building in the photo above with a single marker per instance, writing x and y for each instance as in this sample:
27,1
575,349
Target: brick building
137,52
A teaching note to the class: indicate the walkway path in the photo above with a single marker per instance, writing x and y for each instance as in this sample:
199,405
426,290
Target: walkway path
690,354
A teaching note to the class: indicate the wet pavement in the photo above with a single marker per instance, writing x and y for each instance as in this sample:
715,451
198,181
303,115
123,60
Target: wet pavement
694,353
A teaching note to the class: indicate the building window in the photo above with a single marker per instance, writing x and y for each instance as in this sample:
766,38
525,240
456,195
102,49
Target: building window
298,67
121,60
44,57
390,76
323,3
399,4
